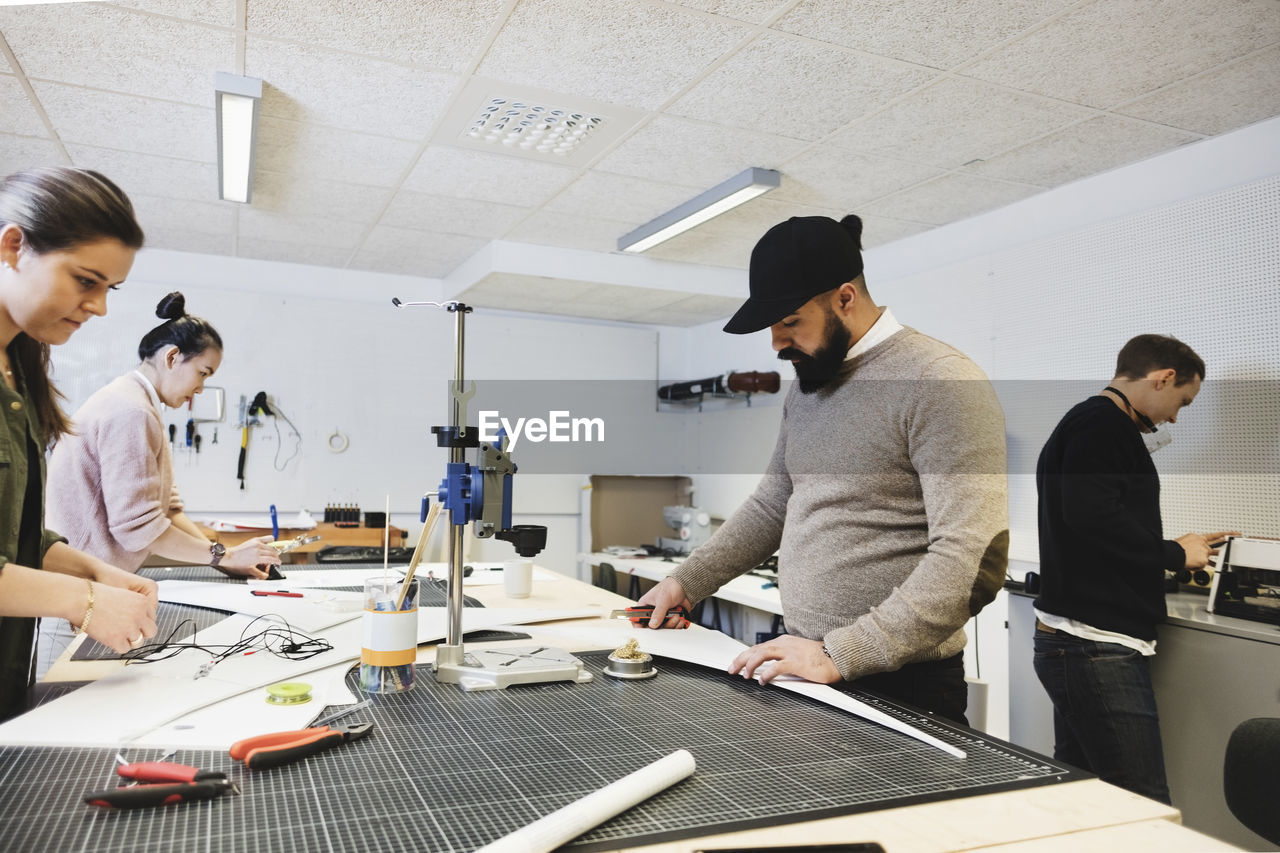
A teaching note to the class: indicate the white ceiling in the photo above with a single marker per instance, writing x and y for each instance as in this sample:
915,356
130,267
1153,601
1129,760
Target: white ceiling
912,114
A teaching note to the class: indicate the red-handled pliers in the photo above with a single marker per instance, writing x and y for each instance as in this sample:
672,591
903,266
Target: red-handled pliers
170,783
272,750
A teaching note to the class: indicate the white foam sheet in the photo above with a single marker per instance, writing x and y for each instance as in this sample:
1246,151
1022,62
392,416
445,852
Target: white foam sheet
139,699
221,724
715,650
317,610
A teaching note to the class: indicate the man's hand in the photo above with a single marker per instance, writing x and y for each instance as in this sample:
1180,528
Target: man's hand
1199,548
786,655
666,595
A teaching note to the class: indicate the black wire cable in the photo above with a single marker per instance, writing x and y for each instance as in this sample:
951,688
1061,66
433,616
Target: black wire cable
280,640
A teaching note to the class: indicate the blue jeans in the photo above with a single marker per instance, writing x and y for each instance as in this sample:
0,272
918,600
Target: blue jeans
1104,711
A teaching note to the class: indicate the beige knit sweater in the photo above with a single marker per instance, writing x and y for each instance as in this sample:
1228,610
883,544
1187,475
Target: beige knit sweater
110,488
886,500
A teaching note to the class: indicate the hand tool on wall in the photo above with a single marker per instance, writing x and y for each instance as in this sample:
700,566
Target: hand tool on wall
257,407
273,750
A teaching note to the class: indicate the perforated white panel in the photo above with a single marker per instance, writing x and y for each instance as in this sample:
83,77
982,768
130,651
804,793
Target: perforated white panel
1205,270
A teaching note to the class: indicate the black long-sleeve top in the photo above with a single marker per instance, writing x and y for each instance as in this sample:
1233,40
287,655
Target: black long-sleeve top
1103,554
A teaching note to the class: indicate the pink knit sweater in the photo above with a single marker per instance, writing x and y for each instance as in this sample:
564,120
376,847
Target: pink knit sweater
110,489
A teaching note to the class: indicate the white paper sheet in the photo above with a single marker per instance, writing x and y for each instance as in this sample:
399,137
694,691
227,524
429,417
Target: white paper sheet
138,699
317,610
715,650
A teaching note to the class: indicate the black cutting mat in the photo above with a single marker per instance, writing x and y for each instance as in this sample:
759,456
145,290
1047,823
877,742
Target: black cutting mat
170,617
445,770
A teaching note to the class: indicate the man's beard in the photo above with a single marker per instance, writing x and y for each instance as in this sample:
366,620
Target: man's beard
818,370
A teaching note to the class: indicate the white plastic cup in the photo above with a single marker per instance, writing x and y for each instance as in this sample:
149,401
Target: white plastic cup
517,577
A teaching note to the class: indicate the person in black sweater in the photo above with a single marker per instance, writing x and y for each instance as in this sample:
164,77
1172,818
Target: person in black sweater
1103,558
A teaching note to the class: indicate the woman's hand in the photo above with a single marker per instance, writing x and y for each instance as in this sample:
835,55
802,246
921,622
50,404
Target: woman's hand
122,618
250,559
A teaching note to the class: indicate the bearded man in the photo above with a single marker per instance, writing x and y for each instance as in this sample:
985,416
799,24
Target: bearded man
886,495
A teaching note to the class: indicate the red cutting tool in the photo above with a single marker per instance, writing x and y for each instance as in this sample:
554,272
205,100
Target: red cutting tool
640,613
272,750
164,783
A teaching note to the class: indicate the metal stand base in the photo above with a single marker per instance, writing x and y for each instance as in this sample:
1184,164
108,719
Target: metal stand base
496,669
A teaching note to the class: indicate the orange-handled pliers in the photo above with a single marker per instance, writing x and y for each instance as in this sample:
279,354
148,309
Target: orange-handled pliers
272,750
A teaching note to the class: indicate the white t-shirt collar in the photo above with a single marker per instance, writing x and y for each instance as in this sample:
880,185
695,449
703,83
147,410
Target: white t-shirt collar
880,331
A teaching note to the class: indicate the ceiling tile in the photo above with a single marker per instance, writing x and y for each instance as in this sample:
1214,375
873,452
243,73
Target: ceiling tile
938,33
425,212
438,35
310,84
760,214
752,11
695,154
312,254
219,13
25,152
712,244
129,123
292,195
627,198
1109,52
834,178
303,230
178,240
822,88
144,55
880,230
614,302
197,217
515,292
948,199
1080,150
297,148
957,120
17,115
487,177
1218,100
402,250
148,174
620,51
691,311
571,231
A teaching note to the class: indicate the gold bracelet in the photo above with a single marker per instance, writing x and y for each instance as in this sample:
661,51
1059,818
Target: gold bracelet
88,613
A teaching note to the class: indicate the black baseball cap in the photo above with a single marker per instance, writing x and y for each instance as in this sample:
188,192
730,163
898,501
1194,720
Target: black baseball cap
795,261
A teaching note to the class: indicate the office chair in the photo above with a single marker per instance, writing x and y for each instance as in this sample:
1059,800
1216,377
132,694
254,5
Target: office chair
1251,775
604,576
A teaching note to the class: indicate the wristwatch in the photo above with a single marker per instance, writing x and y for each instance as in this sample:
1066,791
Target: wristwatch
216,552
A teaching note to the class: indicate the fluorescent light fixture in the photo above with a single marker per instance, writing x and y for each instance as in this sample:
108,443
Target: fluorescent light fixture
740,188
237,108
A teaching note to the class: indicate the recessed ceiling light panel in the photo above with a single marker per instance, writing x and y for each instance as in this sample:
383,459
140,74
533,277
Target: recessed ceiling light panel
533,123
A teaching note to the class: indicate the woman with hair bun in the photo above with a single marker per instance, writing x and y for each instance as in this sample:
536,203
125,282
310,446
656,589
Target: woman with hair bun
111,483
67,238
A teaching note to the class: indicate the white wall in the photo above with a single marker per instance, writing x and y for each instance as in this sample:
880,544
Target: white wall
332,353
1042,294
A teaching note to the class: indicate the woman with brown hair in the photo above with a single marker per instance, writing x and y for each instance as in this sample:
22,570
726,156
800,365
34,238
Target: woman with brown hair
67,237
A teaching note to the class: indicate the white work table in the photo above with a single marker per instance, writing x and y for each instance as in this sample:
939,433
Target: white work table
1066,816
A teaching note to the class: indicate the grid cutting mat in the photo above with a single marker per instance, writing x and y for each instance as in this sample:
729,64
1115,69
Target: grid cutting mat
445,770
170,617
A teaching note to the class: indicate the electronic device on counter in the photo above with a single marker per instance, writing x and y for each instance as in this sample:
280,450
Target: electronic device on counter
692,527
1246,584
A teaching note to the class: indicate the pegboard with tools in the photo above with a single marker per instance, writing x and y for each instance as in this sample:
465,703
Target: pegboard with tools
445,770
